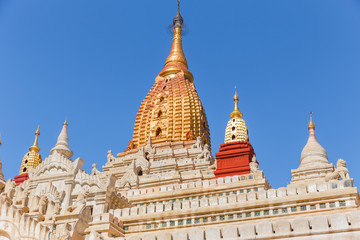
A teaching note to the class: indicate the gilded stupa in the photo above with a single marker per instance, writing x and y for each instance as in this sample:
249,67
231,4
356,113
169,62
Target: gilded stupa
172,110
236,129
31,160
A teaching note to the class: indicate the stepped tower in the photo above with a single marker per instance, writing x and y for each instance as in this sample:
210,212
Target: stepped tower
172,110
236,153
31,160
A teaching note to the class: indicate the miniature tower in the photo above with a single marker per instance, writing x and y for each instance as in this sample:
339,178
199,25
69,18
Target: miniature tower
62,144
236,152
314,163
172,110
31,160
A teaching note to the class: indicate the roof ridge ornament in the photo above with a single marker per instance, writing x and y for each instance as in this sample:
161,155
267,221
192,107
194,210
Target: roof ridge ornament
311,123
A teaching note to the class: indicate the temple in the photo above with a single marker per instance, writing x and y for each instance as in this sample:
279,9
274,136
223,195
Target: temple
167,185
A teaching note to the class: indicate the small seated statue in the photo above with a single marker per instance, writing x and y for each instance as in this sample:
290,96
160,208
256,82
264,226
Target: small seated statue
254,166
340,171
110,156
206,154
213,166
198,144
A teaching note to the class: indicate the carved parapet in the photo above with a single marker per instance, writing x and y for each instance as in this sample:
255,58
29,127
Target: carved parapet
346,226
201,184
283,198
92,181
57,163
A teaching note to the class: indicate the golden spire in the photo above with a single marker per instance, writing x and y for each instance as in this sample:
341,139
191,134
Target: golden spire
311,123
176,60
236,113
35,146
33,158
161,115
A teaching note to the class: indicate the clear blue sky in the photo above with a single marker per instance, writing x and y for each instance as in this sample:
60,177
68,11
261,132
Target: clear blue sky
93,62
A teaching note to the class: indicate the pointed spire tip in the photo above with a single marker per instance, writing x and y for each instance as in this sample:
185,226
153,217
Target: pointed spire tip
236,113
38,130
176,61
178,20
62,144
311,123
35,146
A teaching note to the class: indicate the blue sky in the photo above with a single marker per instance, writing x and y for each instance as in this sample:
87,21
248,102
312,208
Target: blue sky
93,62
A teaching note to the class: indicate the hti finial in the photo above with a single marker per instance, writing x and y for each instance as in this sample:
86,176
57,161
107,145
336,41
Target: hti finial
311,123
35,146
236,97
38,130
178,20
176,61
236,113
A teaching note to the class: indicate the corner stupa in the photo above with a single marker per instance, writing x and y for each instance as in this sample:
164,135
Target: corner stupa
62,145
314,162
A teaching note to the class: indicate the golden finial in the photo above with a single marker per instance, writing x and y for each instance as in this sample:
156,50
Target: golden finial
176,60
33,158
236,113
65,123
311,123
0,139
35,146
